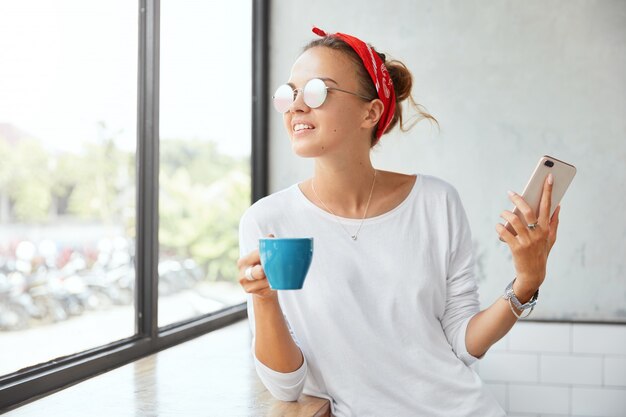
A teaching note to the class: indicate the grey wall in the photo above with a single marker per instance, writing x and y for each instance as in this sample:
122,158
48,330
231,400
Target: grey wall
508,81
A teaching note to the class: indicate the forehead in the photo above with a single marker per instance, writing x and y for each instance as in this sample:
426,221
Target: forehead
319,62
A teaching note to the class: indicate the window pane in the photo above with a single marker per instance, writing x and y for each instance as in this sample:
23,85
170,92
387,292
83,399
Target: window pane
204,176
67,177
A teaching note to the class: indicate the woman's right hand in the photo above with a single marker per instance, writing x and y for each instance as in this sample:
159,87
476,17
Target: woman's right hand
259,285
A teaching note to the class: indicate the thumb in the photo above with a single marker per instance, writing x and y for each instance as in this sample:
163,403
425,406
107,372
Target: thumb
271,235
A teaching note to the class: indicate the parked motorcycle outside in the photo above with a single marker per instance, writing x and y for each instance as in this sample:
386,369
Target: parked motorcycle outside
42,283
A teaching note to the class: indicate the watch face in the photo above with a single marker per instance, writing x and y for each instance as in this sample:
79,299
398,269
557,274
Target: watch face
509,292
509,295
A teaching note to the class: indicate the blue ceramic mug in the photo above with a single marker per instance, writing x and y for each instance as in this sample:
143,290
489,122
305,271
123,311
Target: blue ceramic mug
286,261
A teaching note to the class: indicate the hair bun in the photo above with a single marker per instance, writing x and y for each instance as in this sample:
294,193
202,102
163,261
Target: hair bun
403,85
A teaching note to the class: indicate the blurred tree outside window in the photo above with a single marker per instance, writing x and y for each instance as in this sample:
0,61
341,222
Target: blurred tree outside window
68,192
205,148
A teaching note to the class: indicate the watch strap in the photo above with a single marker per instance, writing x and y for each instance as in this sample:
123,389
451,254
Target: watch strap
509,294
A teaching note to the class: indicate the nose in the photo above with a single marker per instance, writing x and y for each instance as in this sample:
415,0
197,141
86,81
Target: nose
298,103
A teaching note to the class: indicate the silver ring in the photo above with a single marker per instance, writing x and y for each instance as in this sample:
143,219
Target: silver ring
248,274
533,226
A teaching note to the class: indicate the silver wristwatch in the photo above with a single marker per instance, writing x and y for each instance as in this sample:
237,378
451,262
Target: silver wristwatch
510,295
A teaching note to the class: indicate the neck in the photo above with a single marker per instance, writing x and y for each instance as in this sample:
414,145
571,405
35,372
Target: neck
344,187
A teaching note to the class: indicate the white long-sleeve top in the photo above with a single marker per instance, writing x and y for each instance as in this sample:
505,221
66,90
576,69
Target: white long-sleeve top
381,320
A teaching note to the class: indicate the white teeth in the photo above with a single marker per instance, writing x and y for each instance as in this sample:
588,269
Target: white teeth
301,126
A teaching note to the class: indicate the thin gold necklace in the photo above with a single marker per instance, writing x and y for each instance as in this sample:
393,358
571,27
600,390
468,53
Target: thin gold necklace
367,206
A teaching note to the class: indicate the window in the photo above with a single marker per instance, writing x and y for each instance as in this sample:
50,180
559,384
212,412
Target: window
67,179
96,205
204,176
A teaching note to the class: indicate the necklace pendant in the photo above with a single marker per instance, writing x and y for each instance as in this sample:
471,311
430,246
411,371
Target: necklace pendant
367,206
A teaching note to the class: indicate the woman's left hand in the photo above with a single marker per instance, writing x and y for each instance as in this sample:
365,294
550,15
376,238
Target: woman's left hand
531,246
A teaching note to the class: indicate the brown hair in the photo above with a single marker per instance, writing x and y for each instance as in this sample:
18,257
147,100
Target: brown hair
399,73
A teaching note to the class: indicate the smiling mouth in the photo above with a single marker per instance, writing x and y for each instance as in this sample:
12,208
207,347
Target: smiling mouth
300,127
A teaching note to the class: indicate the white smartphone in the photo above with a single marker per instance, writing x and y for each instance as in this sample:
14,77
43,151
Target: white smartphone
563,174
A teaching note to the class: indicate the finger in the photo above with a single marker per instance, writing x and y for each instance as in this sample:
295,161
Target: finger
546,200
520,228
252,258
555,215
510,228
248,273
253,286
528,214
505,236
258,273
554,224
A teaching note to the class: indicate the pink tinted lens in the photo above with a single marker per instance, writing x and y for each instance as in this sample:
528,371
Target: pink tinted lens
283,97
314,93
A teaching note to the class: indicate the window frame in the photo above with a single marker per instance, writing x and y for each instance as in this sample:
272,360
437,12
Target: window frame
31,383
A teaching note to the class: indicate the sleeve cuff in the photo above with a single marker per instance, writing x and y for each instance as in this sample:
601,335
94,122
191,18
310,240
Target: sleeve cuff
285,386
285,379
460,347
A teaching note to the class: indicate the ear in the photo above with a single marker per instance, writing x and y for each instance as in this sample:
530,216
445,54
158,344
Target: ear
374,112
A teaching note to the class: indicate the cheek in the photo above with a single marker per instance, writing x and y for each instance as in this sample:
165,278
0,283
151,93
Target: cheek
343,120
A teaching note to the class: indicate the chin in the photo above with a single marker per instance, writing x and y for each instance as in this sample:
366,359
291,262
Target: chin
306,150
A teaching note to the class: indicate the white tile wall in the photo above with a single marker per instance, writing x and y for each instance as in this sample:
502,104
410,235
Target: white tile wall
539,399
558,370
615,371
571,369
600,402
522,415
508,366
598,338
540,337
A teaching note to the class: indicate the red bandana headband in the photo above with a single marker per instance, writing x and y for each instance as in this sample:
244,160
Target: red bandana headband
378,73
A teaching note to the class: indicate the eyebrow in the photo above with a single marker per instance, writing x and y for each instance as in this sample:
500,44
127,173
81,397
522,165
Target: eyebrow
328,79
321,78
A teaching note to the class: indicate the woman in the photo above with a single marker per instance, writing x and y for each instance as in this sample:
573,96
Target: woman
388,321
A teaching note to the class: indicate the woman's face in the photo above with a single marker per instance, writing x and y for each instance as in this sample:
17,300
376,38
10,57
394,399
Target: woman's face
338,124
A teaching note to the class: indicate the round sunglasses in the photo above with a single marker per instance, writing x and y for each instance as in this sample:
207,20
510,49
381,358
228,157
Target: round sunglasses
314,94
